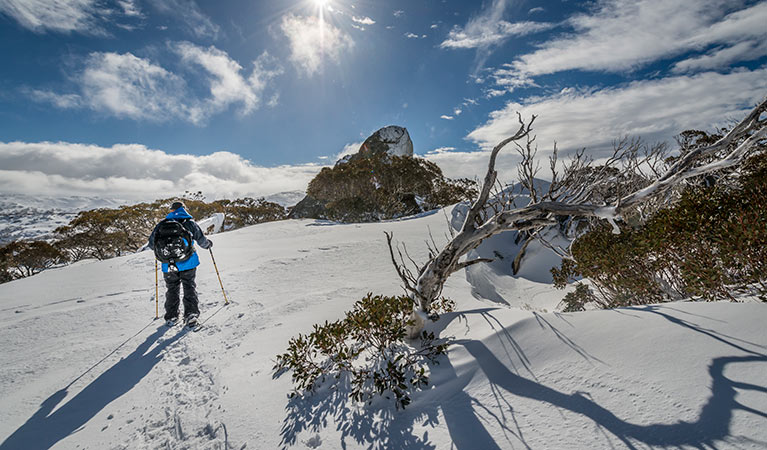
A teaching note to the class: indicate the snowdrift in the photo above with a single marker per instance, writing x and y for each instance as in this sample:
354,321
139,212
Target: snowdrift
84,365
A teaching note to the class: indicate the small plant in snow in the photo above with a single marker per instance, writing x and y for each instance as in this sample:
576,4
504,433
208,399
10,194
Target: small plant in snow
368,349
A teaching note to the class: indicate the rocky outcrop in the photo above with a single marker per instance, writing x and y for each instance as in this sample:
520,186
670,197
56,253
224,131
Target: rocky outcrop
391,140
383,180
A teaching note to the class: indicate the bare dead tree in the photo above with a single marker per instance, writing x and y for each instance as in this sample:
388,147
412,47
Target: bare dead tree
576,190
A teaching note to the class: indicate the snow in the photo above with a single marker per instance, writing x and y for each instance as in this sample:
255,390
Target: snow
84,365
212,224
28,217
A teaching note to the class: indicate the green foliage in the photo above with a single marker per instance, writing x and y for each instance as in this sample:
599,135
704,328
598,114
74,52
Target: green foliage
109,232
712,243
382,187
578,299
368,348
20,259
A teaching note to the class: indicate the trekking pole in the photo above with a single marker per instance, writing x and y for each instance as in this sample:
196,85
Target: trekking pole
156,293
226,301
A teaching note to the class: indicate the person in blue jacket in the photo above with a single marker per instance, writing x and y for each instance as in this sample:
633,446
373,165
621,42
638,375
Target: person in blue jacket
186,271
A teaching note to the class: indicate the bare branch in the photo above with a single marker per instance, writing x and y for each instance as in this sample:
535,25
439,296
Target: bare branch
466,264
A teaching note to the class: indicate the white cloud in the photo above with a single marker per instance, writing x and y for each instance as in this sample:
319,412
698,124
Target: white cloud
624,34
312,41
723,56
126,86
439,150
485,32
653,109
490,93
446,117
134,172
349,149
130,8
55,15
411,35
399,13
63,101
488,30
434,26
188,12
457,111
656,110
363,20
536,10
227,85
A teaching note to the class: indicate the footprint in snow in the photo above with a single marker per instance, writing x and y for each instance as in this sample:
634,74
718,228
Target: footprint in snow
314,441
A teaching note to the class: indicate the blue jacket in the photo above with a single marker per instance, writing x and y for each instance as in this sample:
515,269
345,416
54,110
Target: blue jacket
188,222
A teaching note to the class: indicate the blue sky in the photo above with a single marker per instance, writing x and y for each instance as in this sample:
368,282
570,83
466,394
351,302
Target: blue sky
142,99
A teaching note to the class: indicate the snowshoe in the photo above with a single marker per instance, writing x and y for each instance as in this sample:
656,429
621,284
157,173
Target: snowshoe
192,323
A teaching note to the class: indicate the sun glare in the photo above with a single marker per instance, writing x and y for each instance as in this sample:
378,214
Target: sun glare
321,3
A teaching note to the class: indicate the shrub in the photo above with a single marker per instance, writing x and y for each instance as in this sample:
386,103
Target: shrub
712,243
108,232
383,187
578,299
367,348
26,258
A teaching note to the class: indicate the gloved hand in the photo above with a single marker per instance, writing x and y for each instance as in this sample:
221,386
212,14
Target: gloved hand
209,245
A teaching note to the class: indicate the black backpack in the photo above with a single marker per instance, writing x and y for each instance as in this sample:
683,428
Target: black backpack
172,242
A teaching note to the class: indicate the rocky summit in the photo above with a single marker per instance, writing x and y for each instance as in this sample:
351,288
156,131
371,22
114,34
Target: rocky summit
383,180
391,140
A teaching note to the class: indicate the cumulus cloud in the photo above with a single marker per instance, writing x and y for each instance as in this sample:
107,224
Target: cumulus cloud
312,41
446,117
349,149
127,86
653,109
621,35
473,165
363,20
227,85
55,15
134,172
439,150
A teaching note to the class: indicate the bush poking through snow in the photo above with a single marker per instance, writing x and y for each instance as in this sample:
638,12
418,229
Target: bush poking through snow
712,243
381,187
368,348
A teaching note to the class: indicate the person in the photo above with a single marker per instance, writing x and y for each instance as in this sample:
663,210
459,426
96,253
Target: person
185,275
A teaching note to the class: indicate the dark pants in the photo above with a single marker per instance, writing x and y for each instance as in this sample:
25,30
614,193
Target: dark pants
174,281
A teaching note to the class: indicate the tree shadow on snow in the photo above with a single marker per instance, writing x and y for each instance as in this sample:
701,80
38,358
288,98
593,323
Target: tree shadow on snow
711,427
380,425
45,428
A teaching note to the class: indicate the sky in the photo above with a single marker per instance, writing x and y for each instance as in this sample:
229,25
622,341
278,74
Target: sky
146,99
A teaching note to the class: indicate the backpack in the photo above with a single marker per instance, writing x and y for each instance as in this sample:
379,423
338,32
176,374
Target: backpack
172,243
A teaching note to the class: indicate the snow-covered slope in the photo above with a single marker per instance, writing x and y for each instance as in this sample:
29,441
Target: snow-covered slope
27,217
84,365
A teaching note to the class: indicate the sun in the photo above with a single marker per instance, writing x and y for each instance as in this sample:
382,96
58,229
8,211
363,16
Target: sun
321,3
